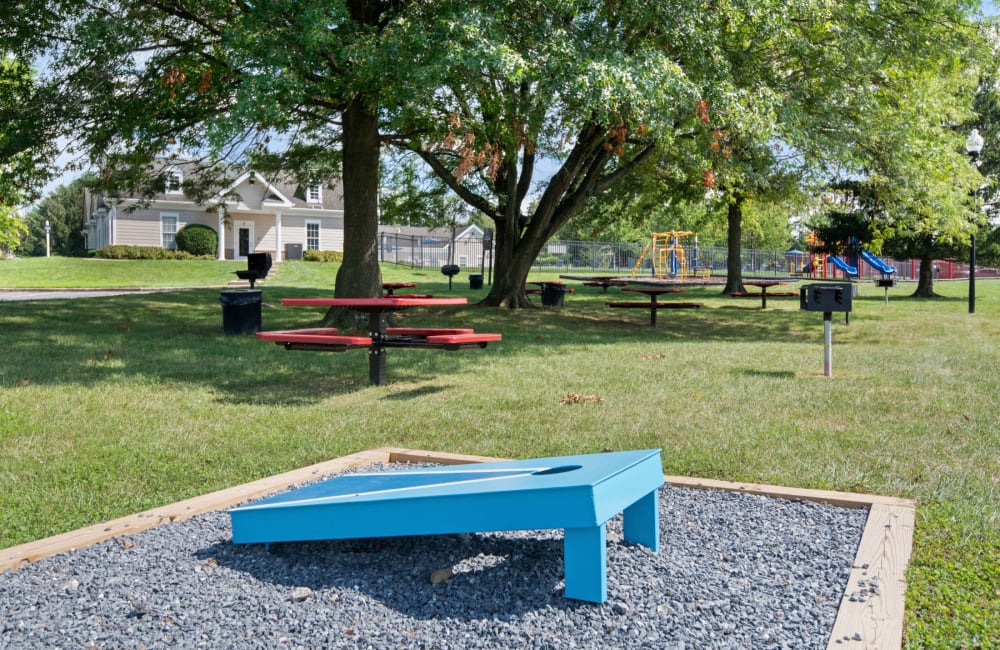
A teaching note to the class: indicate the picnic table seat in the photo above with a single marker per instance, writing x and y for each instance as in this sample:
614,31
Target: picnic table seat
315,338
645,304
539,290
426,331
449,338
757,294
328,338
458,341
604,284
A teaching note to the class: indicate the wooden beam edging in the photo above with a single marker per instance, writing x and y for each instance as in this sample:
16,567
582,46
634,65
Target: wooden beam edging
870,615
15,556
872,620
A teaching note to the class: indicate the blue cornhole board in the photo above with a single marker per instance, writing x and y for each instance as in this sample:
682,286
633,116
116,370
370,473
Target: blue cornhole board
576,493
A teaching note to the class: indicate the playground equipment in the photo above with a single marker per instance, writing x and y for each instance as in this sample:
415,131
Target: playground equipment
667,255
877,264
838,262
816,264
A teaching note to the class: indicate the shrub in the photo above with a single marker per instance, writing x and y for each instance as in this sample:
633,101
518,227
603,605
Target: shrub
121,252
322,256
197,239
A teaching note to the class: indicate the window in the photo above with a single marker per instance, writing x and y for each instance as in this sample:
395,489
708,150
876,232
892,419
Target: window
168,226
314,194
312,235
172,181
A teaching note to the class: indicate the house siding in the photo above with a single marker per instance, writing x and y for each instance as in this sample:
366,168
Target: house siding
331,232
139,228
142,227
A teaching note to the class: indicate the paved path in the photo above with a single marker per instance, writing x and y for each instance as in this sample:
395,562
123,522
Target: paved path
62,294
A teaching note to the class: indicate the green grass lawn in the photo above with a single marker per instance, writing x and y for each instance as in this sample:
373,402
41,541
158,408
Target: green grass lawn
113,405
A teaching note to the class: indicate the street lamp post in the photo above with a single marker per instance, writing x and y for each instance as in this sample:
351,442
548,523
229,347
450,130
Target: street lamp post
48,247
973,146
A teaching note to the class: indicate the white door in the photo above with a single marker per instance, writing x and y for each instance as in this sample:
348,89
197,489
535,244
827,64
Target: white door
243,243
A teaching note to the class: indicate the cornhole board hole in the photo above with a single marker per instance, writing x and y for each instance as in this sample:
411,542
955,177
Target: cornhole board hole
578,494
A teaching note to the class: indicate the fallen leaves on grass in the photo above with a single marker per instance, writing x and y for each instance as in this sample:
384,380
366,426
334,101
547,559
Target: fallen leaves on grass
577,398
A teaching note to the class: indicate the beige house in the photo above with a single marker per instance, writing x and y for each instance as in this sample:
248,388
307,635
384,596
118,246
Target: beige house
252,214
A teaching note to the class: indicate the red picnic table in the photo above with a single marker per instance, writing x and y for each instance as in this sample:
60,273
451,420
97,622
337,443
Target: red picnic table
380,337
653,305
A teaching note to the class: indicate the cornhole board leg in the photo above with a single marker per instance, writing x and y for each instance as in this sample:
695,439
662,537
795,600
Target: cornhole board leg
585,549
642,522
586,563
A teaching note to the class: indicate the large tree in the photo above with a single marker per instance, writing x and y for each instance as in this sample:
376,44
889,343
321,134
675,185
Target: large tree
562,101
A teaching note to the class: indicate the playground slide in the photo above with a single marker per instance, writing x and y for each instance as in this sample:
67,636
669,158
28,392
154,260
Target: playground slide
877,264
842,265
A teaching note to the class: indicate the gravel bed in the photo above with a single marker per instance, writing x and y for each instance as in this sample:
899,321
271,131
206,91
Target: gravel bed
734,571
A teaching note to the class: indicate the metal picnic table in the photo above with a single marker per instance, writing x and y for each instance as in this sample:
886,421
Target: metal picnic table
380,337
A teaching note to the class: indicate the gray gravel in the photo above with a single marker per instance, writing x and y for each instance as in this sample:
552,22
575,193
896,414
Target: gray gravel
734,571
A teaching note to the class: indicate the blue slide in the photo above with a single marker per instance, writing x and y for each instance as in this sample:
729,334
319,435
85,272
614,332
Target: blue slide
877,264
851,271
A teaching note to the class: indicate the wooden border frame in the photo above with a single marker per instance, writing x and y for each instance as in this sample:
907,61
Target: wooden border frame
874,621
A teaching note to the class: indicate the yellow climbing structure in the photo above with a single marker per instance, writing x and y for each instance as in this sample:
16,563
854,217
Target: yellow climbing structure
667,254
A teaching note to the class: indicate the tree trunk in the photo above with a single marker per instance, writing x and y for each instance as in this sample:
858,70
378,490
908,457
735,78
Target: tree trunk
359,275
925,280
511,267
734,239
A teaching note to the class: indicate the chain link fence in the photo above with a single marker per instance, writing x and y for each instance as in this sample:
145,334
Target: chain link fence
621,258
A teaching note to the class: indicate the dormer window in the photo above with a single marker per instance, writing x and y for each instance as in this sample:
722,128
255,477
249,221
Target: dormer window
172,181
314,193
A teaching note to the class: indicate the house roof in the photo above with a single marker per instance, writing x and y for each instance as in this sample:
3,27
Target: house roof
255,192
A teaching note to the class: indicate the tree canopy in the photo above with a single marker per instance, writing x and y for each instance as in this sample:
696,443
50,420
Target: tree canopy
529,112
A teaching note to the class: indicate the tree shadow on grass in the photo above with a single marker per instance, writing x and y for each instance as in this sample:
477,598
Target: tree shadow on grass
176,338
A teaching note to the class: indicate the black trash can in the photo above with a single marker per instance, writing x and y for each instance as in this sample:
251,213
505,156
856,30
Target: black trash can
476,281
553,295
241,311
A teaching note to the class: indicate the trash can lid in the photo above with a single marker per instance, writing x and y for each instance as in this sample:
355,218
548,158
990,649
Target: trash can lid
239,297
